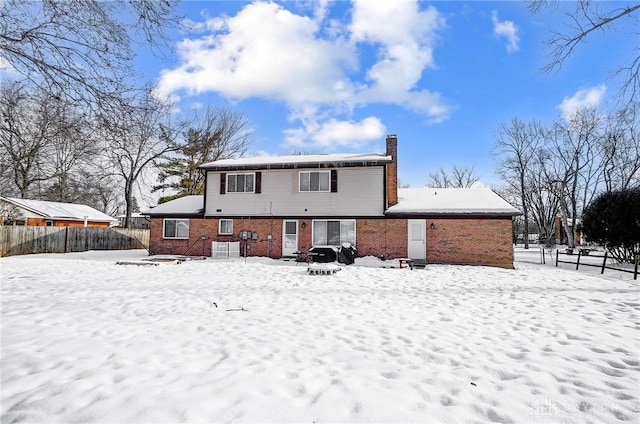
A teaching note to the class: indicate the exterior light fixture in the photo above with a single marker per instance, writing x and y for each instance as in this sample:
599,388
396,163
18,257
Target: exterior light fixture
432,226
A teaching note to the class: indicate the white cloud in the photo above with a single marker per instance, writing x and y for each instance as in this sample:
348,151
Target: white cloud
506,29
264,51
320,9
333,133
584,98
313,64
406,37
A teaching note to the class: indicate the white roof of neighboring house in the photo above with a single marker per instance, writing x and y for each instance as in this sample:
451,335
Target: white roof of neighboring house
187,205
133,215
59,210
426,200
297,160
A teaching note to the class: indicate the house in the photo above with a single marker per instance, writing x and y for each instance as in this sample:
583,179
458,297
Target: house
561,231
16,211
290,203
137,220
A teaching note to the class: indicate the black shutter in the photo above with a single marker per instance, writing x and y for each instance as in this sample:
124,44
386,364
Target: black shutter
334,181
223,183
258,182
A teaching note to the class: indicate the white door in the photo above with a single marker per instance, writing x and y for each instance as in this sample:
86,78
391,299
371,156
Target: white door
289,238
417,247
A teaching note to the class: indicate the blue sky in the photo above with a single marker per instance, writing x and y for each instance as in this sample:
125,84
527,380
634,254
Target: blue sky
337,76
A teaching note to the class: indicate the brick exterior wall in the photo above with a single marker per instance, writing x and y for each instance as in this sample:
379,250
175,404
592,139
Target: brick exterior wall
382,237
478,241
208,227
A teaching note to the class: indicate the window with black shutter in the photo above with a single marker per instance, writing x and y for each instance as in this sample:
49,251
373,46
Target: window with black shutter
315,181
241,183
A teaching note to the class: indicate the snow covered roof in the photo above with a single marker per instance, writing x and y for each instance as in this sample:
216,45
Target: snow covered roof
59,210
187,205
444,201
299,161
133,215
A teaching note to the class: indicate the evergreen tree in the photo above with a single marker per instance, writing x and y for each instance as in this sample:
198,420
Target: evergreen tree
220,134
613,219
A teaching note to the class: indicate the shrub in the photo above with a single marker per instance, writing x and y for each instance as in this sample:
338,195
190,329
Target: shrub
613,219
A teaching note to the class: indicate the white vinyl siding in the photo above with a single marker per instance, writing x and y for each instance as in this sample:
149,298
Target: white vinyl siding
240,183
175,229
334,233
315,180
360,192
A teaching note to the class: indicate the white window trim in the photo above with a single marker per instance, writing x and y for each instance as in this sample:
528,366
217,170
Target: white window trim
220,227
328,190
313,226
240,192
164,236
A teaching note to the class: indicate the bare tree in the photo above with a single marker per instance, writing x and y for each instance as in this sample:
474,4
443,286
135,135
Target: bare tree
27,125
541,194
79,49
103,192
458,177
45,144
621,149
69,152
136,136
587,18
221,133
516,146
573,165
588,125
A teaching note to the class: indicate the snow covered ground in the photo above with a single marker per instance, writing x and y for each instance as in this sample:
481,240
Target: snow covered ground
86,340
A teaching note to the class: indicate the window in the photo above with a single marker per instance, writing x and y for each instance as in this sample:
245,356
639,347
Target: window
240,183
175,229
225,226
315,180
334,233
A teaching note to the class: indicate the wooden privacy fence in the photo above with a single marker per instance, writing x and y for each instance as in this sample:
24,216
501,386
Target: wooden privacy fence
27,240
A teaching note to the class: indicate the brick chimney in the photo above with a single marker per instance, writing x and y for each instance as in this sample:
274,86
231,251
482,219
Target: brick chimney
392,170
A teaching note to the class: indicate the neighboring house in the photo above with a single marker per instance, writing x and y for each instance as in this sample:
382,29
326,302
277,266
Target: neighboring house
291,203
16,211
137,220
561,234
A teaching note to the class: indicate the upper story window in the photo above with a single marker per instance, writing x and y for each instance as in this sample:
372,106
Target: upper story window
175,229
240,183
315,180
